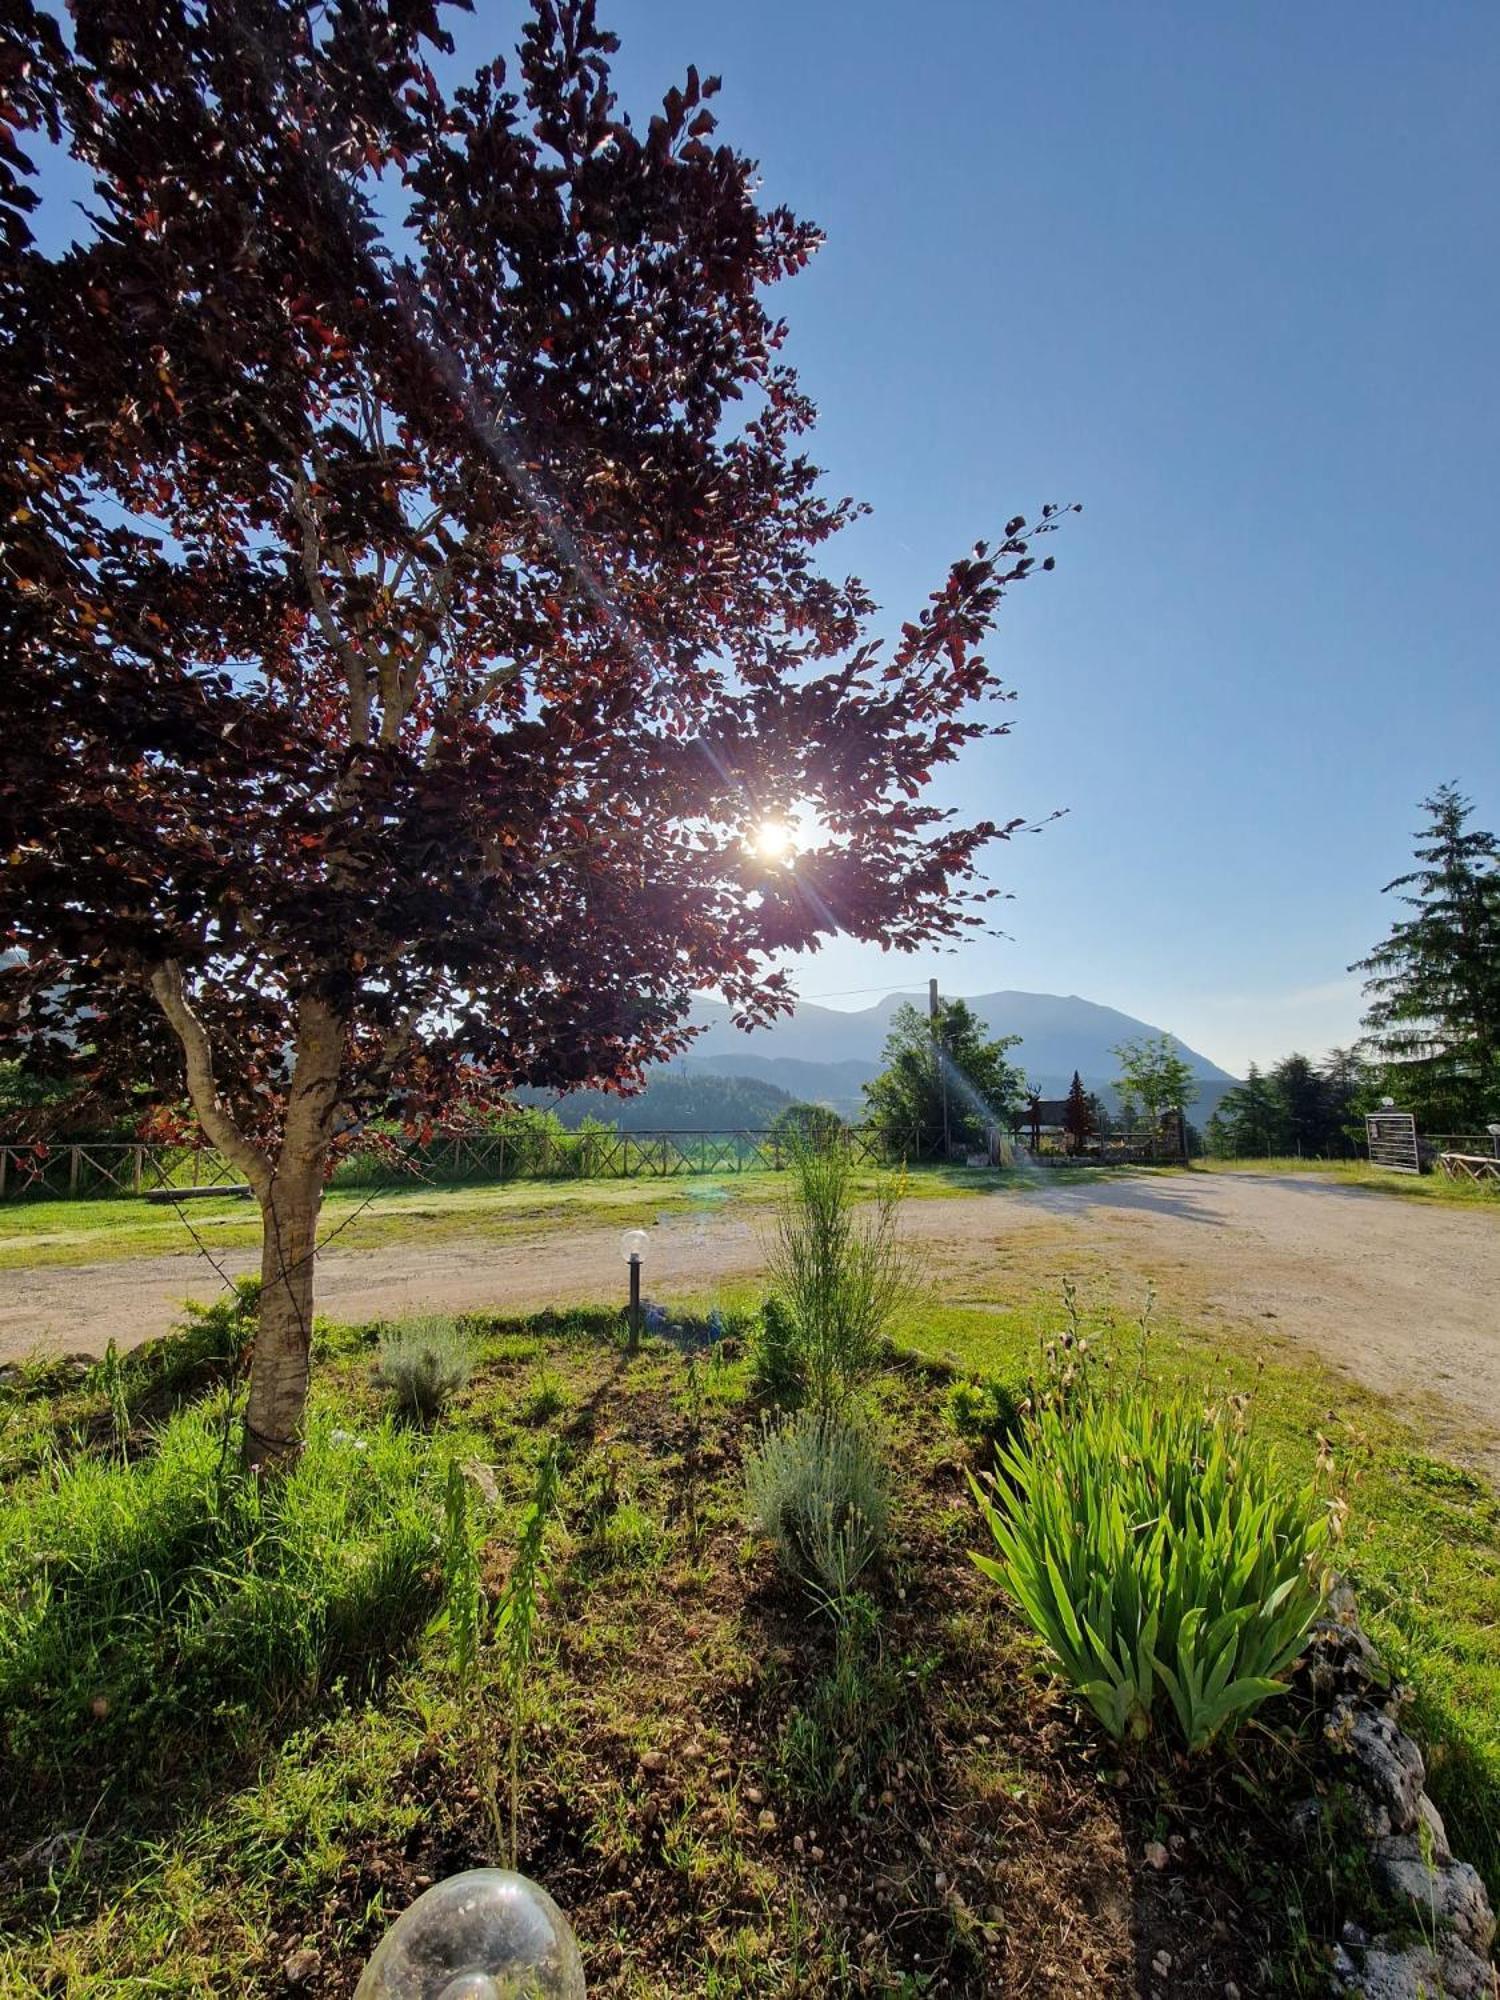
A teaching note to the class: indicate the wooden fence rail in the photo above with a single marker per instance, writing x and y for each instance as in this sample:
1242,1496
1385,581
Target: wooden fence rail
37,1171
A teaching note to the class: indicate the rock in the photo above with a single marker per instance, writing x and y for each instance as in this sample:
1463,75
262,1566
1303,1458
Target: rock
653,1760
1429,1816
1231,1991
1390,1763
1466,1976
1155,1854
767,1821
1414,1974
1446,1894
1340,1660
303,1965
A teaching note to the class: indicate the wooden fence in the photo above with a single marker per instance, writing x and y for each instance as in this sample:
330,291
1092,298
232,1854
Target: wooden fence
38,1171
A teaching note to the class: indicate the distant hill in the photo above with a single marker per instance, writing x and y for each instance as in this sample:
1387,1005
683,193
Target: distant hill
699,1100
824,1054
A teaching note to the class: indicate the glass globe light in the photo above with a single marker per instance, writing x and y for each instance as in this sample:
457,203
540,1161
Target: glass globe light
633,1244
484,1935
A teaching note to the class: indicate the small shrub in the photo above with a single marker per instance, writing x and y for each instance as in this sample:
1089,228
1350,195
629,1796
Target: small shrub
840,1269
776,1370
424,1363
817,1490
1154,1548
984,1414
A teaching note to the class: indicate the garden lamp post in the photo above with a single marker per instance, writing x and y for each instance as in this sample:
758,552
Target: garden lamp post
488,1934
633,1249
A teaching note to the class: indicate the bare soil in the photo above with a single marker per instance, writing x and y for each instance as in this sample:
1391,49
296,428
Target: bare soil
1404,1298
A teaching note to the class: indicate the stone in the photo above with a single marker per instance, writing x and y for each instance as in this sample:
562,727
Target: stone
1155,1854
1414,1974
1390,1763
301,1966
1446,1894
1429,1816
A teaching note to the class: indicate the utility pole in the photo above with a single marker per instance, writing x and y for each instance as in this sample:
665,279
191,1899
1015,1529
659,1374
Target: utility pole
937,1056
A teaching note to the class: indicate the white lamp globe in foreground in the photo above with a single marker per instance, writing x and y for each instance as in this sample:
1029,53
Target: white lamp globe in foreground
633,1244
485,1935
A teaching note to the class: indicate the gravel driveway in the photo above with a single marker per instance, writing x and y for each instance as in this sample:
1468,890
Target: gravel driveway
1403,1296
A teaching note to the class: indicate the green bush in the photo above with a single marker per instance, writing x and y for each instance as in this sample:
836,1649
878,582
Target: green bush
1153,1547
816,1489
147,1603
424,1362
984,1414
776,1370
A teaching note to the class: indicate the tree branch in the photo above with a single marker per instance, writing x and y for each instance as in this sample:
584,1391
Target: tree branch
213,1114
355,674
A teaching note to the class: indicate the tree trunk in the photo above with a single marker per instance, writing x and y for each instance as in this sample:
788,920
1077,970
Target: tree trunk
283,1340
290,1206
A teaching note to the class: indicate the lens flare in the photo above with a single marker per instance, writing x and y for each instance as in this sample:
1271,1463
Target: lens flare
773,840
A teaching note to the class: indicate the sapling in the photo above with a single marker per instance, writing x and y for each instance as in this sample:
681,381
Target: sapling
472,1628
515,1622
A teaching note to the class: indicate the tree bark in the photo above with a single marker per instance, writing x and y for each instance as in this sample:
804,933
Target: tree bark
283,1338
290,1207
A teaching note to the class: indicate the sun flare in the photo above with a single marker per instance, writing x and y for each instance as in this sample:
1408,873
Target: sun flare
773,840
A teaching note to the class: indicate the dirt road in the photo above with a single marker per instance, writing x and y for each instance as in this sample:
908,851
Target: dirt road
1404,1297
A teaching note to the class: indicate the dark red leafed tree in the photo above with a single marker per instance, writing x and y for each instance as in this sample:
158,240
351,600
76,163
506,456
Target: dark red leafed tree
411,592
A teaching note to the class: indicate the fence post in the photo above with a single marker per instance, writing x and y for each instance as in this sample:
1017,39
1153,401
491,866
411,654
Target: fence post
72,1170
4,1169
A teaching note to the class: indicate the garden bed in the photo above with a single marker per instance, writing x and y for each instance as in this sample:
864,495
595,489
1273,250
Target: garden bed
685,1794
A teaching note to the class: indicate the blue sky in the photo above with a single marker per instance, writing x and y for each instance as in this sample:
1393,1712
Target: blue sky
1228,277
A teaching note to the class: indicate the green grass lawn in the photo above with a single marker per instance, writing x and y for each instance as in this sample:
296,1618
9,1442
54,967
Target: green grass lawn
1433,1187
86,1232
250,1752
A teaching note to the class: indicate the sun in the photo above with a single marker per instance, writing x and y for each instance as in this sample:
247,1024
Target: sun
773,840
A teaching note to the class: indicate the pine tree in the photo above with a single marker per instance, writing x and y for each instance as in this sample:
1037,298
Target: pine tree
1078,1117
1248,1121
1349,1092
1301,1106
1433,986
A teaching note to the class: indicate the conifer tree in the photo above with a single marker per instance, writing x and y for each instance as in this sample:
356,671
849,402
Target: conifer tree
1078,1116
1247,1124
1433,985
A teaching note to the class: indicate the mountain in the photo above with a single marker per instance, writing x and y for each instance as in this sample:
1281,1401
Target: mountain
824,1054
